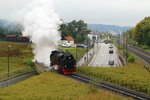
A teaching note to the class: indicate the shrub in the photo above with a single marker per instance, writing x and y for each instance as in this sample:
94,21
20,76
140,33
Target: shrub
145,47
131,58
120,47
29,62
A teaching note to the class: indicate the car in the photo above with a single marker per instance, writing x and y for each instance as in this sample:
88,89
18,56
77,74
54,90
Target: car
63,45
82,45
111,51
66,45
111,46
111,62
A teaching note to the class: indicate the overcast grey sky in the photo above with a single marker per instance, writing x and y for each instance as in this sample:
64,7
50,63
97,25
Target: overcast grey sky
114,12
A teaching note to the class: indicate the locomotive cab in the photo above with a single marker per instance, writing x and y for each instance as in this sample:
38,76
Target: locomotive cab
64,61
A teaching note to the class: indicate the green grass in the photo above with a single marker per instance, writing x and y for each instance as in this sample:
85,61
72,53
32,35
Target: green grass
18,53
133,76
50,86
21,56
20,50
144,47
80,52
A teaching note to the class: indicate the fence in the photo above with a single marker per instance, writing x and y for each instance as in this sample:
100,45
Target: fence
15,73
123,83
14,80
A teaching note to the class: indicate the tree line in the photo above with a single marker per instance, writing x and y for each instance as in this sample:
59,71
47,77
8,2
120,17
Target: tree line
140,34
76,29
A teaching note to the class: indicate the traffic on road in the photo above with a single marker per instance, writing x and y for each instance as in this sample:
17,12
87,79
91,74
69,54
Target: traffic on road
107,56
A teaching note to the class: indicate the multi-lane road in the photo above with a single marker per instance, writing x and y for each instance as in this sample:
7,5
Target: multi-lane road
102,57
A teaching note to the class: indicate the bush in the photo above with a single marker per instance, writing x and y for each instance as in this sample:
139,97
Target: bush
145,47
131,58
28,62
120,47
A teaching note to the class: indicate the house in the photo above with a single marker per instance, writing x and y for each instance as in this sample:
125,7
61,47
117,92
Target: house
93,36
67,39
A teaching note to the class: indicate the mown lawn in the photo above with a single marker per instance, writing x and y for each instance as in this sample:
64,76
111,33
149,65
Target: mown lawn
133,76
51,86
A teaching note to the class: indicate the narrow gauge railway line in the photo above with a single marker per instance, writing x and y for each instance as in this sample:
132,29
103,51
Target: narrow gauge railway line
140,53
127,92
136,48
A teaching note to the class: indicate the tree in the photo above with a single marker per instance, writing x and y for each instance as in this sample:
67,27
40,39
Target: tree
77,29
141,32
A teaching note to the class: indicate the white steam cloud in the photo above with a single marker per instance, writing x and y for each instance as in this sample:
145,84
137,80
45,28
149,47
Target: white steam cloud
41,25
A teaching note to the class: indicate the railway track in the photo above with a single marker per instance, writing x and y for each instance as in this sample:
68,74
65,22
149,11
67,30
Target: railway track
140,53
127,92
136,48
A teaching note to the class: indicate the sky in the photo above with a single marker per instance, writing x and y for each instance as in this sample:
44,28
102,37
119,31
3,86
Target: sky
111,12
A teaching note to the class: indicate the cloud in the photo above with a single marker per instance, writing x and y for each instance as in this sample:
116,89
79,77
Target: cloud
119,12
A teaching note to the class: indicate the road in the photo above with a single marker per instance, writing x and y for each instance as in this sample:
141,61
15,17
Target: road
102,57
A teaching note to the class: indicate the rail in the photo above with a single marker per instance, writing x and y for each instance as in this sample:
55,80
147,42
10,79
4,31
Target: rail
109,86
140,53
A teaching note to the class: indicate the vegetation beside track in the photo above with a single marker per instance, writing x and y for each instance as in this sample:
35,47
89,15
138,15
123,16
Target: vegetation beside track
20,57
51,86
133,76
80,51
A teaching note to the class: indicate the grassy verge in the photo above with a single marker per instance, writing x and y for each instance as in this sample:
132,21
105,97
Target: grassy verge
20,59
20,56
50,86
80,52
145,47
133,76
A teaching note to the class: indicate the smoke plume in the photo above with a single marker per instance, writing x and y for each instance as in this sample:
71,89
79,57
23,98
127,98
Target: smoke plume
41,25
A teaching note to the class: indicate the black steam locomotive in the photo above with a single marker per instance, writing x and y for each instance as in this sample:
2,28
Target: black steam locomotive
63,62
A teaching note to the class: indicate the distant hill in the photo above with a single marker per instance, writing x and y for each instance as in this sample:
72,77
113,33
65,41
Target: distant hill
107,28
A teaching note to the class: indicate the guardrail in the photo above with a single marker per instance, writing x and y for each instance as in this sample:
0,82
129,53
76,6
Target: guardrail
15,73
15,80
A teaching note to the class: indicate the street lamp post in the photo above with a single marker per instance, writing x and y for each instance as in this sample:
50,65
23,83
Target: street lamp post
126,48
9,46
93,46
119,40
87,50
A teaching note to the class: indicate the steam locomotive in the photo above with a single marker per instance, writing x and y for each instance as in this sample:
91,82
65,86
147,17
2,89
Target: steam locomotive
63,62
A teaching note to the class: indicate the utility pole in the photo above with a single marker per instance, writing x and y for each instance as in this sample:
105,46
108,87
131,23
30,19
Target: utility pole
76,55
8,59
118,39
93,46
87,49
126,48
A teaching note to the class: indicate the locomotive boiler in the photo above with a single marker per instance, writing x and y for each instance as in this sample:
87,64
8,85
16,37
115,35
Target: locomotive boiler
64,62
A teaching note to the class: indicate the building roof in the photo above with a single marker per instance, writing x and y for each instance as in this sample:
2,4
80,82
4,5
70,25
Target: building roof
69,38
10,36
21,36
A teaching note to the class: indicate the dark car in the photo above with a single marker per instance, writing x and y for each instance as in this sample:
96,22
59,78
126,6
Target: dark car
111,62
111,46
111,51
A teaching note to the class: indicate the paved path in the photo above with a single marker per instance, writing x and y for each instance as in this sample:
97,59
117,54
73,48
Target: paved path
88,56
102,57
